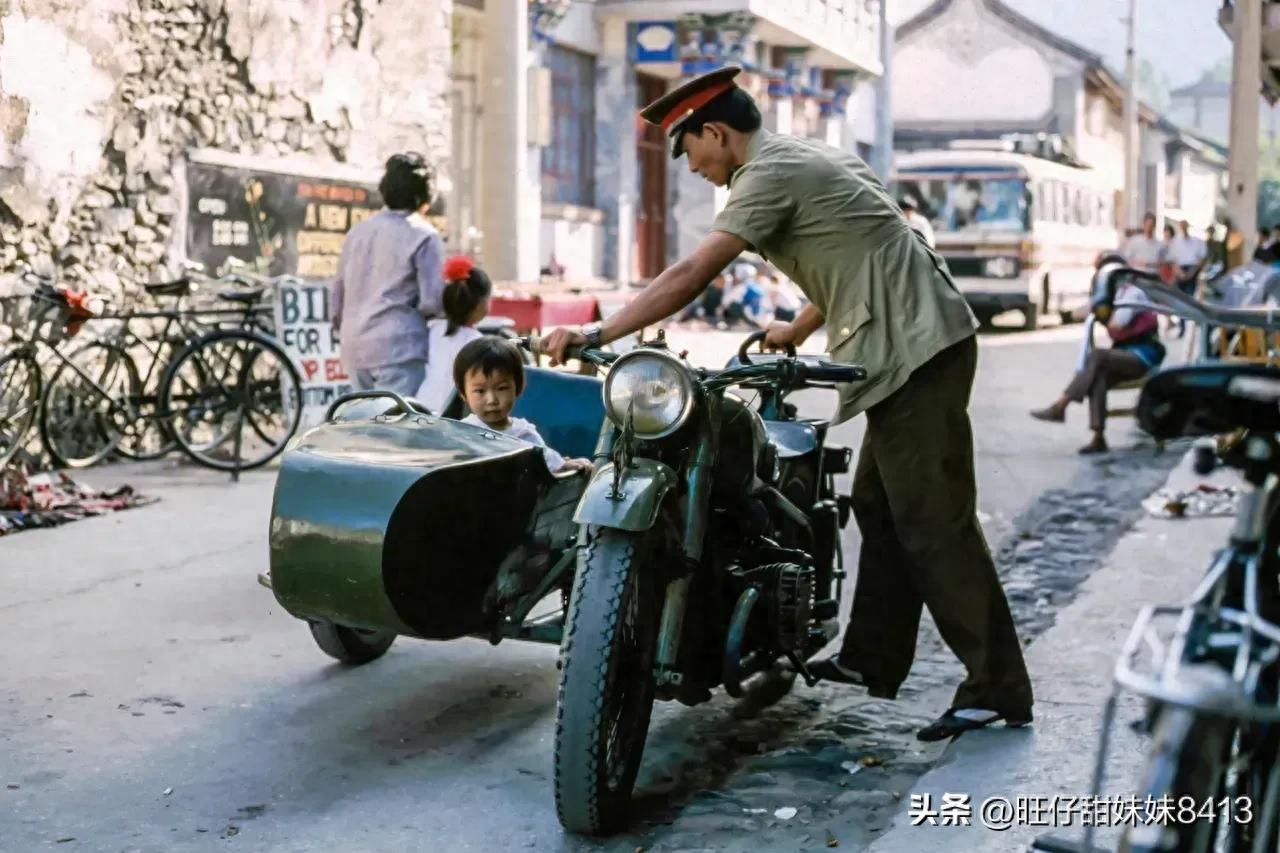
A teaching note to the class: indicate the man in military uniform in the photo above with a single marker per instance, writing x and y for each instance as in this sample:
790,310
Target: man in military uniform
821,217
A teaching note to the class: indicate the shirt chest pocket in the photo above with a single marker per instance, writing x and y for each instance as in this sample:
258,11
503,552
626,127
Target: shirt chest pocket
846,325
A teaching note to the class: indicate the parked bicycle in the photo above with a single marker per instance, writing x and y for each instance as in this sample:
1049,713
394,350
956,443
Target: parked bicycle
144,337
226,393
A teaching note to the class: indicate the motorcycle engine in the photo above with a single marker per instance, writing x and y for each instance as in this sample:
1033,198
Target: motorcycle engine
787,597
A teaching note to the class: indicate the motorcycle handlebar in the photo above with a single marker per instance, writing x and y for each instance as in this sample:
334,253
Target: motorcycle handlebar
533,343
758,337
1168,300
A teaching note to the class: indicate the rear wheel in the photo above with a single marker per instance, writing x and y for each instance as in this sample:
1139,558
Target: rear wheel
19,401
352,646
233,400
606,682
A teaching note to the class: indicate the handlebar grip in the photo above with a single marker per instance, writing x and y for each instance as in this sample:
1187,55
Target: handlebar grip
833,372
757,337
533,343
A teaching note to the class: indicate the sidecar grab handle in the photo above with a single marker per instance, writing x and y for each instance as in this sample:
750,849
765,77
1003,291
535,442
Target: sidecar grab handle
405,406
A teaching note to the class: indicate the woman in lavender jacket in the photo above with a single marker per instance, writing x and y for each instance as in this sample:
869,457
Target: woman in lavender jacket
389,283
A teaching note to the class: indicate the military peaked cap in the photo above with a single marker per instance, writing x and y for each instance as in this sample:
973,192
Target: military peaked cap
672,110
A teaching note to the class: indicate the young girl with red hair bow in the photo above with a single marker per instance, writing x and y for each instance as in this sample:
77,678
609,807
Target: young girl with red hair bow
467,289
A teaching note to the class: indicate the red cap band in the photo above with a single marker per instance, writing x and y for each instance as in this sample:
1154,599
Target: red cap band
694,102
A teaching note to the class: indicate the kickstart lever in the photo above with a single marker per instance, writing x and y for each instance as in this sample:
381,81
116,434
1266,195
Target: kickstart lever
799,666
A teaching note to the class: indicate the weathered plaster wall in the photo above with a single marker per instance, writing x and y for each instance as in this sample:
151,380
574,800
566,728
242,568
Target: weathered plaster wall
100,99
959,68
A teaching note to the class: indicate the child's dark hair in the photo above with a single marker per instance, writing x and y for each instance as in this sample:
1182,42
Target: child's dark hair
466,286
489,355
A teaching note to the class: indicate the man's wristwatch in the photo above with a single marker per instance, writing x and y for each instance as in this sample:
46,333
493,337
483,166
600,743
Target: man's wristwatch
592,332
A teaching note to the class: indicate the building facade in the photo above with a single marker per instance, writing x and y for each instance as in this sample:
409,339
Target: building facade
134,135
610,201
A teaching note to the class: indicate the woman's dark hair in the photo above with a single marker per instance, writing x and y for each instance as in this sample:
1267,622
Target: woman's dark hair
489,355
735,108
462,296
406,183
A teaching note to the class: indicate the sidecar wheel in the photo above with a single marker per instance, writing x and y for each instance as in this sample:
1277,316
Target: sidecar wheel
606,682
352,646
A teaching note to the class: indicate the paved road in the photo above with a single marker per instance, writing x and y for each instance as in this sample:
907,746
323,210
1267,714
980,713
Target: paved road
155,698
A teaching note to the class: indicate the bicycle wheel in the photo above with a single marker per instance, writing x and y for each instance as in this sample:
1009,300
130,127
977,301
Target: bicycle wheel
19,400
86,408
233,399
1188,761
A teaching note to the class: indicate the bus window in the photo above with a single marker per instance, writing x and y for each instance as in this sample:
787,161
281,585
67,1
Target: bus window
959,203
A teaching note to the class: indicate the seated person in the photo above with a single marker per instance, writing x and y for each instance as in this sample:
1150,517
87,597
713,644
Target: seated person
489,375
466,302
707,306
1136,351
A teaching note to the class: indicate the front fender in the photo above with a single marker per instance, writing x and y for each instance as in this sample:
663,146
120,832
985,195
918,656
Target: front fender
643,486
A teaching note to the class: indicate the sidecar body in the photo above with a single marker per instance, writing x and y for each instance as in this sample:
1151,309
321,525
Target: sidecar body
394,521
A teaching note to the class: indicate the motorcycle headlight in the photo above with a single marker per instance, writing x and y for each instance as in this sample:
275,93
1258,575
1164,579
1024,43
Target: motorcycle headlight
654,387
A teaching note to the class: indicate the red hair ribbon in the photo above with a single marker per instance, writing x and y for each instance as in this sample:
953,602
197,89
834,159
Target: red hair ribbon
458,268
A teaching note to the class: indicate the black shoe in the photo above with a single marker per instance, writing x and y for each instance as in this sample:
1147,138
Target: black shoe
831,670
959,720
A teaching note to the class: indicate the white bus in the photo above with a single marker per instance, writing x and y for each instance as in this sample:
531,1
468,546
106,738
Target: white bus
1018,232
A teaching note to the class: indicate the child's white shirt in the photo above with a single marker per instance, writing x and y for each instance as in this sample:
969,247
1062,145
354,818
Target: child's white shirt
442,350
525,431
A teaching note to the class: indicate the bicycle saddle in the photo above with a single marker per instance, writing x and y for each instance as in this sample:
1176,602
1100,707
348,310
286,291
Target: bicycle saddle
245,296
177,287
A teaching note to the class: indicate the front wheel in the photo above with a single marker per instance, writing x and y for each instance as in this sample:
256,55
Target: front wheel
352,646
88,406
20,393
606,681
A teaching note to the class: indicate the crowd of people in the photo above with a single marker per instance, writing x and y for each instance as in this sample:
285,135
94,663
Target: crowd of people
745,295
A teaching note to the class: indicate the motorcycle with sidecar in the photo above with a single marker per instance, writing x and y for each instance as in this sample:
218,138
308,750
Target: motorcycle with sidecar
703,551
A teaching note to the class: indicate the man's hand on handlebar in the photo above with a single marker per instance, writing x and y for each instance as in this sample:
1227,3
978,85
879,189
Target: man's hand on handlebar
780,335
555,344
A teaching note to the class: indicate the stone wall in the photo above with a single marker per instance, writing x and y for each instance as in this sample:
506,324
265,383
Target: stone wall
100,100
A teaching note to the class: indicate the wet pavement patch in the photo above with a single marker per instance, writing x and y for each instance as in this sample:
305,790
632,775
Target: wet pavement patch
717,777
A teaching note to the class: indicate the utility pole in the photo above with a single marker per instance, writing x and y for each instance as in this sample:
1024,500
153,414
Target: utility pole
882,163
1246,84
1131,215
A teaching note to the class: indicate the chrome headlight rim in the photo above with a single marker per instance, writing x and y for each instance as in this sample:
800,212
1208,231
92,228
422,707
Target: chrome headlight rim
686,378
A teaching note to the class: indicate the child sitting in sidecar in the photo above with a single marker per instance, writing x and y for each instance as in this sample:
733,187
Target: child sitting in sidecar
489,375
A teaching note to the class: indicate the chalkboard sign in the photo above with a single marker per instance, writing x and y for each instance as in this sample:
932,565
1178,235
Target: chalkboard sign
274,223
